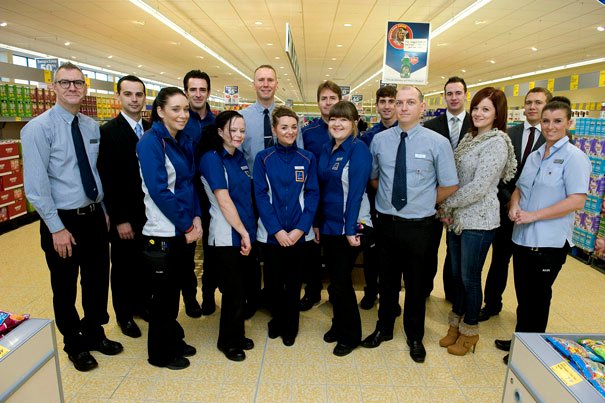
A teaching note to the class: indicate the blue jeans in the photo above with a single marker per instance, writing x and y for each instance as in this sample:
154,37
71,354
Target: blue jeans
468,252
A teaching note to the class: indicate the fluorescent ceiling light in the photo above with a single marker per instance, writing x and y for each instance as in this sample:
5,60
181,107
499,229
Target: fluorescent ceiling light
477,5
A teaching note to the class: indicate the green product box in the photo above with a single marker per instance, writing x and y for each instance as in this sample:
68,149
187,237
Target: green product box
11,92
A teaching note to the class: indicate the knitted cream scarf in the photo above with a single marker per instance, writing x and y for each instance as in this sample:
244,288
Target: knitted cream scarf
466,145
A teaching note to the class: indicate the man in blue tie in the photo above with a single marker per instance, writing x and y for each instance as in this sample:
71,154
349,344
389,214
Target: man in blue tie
119,170
60,149
413,169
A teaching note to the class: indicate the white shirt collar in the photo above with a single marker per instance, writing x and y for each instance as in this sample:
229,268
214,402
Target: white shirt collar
131,121
460,116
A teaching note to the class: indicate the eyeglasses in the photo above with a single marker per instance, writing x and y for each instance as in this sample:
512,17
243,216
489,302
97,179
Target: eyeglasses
65,84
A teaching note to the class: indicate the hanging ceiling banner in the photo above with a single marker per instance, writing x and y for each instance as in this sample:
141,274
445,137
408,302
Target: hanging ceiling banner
231,95
406,53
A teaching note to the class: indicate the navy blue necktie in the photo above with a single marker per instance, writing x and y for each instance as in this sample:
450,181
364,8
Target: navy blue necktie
88,179
400,186
268,134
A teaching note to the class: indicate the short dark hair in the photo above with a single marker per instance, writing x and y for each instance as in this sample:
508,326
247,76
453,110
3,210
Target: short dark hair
330,85
130,78
280,112
500,105
455,79
196,74
386,91
161,99
211,140
67,66
543,90
347,110
558,105
560,98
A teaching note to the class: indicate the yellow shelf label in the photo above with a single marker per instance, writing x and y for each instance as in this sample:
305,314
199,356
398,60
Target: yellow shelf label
516,90
18,119
551,84
3,351
532,85
573,82
602,78
48,76
566,373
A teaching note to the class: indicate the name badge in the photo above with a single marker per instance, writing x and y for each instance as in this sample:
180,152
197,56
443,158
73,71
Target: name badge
559,161
94,141
246,170
423,156
335,166
339,159
299,174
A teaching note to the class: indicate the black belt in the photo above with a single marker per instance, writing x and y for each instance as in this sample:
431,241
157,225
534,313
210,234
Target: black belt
402,219
91,208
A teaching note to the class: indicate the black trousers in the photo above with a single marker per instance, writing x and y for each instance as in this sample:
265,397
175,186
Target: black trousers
497,275
449,288
166,259
535,271
130,281
404,246
210,273
188,279
90,259
232,285
370,267
312,275
283,268
340,259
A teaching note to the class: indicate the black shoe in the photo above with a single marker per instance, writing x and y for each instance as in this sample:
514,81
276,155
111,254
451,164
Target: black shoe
288,340
485,314
308,301
368,301
193,309
503,345
83,361
340,350
178,363
130,328
247,344
274,331
417,351
330,336
374,340
107,347
208,305
188,351
234,353
505,359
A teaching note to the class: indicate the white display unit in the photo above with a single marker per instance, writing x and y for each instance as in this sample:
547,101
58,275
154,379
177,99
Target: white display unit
538,373
29,364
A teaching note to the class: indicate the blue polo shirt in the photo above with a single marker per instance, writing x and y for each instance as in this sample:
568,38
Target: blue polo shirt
429,162
315,135
369,134
546,181
193,130
343,176
286,191
221,170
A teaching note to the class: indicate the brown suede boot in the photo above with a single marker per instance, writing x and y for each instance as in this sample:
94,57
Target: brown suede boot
452,332
469,336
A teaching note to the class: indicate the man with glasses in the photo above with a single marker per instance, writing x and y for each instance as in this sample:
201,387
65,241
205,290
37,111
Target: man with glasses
60,149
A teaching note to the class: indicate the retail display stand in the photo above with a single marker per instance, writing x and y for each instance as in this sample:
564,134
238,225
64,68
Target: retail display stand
538,373
29,364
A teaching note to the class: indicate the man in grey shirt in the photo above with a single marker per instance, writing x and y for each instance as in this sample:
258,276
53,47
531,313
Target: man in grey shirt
413,169
60,149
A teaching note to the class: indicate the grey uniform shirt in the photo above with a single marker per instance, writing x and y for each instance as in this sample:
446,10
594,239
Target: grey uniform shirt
429,163
50,167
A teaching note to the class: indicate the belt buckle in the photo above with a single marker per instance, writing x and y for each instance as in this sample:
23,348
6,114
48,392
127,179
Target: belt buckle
534,249
85,210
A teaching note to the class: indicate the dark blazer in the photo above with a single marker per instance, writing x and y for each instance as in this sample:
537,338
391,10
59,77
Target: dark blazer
515,133
119,170
440,125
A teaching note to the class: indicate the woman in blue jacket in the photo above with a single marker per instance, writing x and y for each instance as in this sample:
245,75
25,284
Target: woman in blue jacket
287,193
173,224
344,213
232,230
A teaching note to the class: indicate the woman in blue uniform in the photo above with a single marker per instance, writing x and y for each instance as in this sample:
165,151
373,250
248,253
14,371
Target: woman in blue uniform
228,184
344,213
287,193
173,224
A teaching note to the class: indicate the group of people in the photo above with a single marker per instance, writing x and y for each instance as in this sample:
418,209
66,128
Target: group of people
254,186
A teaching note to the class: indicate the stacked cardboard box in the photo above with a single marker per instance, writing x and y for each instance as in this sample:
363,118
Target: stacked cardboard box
589,223
12,196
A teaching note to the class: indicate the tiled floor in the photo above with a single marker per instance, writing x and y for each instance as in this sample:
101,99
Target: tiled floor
307,371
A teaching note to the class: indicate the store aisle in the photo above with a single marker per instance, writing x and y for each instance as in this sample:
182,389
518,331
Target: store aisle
307,371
